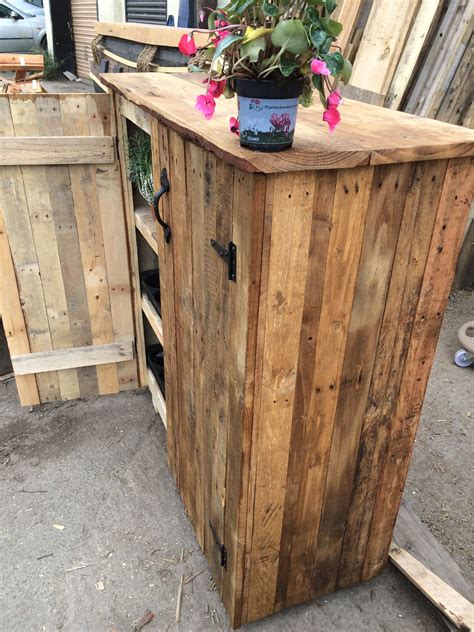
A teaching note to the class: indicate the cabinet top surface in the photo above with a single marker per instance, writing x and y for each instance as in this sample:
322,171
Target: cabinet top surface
367,135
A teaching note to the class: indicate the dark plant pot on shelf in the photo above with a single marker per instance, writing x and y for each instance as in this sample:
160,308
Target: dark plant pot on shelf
156,362
150,282
267,112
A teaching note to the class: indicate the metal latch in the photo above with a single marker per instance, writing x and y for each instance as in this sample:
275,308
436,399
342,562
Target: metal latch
229,255
221,547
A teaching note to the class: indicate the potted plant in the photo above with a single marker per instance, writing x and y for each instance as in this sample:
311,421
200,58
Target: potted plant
273,54
140,165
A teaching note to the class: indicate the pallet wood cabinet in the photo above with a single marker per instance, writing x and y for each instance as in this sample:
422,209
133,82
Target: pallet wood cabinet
294,383
294,391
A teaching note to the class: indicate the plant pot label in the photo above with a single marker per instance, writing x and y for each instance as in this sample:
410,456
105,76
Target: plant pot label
269,122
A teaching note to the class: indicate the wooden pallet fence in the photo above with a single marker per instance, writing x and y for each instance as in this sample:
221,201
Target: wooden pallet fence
60,198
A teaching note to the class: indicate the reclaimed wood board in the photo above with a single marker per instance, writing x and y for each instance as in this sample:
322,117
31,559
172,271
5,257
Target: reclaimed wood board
72,272
295,391
367,135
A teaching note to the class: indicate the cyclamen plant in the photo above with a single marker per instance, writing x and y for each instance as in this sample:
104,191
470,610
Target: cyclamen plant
272,39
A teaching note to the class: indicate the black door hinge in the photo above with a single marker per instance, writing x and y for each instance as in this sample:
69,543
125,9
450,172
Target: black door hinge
229,255
220,546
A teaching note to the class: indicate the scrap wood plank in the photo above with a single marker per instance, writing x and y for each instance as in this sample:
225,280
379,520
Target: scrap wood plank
382,44
56,150
75,357
15,61
440,64
458,609
411,53
154,35
347,14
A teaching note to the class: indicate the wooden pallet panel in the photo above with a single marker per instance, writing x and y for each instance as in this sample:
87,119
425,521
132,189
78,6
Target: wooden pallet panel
73,276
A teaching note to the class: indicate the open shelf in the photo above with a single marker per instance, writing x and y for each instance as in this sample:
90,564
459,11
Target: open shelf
157,396
145,223
152,317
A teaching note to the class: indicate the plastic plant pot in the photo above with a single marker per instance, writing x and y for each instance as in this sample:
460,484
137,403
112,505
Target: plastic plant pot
267,113
150,282
156,361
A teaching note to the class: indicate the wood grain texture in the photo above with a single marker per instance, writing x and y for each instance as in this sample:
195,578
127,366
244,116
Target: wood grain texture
367,135
155,35
73,280
56,150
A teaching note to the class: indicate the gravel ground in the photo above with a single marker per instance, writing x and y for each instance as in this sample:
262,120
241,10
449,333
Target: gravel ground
93,534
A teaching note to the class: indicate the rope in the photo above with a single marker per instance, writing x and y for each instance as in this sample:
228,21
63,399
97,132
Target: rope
95,47
145,58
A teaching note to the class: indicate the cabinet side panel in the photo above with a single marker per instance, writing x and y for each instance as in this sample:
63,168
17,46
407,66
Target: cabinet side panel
247,232
438,276
390,355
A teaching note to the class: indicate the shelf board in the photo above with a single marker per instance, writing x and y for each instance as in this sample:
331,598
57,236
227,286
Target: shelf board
157,397
152,317
145,223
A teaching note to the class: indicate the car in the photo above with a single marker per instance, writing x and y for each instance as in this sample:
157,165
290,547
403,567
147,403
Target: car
22,26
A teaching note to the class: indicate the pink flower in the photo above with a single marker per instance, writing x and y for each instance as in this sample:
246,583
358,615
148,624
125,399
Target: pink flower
332,117
334,99
220,35
187,45
318,67
234,125
215,88
205,103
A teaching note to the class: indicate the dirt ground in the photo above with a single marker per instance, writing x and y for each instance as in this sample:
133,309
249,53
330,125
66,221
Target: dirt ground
93,534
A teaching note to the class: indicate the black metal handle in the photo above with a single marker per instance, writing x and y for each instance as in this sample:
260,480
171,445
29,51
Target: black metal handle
165,187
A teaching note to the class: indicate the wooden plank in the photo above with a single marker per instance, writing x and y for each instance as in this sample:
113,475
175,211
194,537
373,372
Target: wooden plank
146,225
74,114
26,193
132,113
152,317
56,150
459,95
347,15
247,232
410,258
159,403
453,605
412,535
411,53
74,357
368,134
437,281
14,61
282,317
382,43
13,319
122,140
147,34
442,59
387,200
109,190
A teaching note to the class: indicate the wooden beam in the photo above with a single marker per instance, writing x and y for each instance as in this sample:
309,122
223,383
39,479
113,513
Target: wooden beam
348,15
137,115
148,34
56,150
453,605
74,357
15,61
159,403
152,317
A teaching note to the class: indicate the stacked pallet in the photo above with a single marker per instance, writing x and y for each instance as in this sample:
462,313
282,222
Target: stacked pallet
411,55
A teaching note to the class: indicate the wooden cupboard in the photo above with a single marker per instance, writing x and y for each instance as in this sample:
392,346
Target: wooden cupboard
302,295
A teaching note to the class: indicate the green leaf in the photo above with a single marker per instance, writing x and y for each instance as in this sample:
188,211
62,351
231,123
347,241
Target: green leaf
319,39
225,43
331,26
346,72
288,66
306,99
253,48
291,36
335,63
331,6
229,92
313,15
270,9
244,6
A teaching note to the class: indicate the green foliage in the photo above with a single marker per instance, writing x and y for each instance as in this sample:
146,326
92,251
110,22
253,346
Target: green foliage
52,66
274,39
140,164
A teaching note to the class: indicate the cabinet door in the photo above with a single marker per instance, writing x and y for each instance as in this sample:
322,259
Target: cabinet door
209,331
65,284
